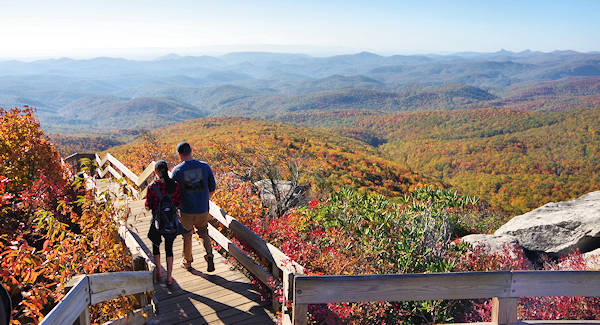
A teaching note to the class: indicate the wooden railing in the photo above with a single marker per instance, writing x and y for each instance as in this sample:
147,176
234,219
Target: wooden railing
88,290
274,268
503,287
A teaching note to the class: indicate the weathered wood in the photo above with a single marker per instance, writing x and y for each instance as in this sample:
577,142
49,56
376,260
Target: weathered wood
145,175
555,283
71,306
299,316
134,246
139,264
122,168
270,252
218,237
400,287
504,311
276,273
107,286
249,264
240,256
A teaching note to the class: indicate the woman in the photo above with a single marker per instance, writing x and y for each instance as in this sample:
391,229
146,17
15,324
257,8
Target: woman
167,187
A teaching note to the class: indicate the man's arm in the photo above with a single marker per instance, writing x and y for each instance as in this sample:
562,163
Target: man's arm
212,184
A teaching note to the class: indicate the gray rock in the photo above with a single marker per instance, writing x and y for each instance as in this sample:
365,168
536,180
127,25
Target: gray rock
558,228
286,189
493,243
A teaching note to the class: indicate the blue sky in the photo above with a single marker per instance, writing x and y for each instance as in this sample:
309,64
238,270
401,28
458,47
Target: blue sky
88,28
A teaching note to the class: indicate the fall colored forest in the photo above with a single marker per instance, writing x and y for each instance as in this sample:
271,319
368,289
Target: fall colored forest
385,193
379,192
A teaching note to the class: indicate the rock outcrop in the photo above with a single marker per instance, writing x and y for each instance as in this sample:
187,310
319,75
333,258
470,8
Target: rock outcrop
558,228
492,243
292,195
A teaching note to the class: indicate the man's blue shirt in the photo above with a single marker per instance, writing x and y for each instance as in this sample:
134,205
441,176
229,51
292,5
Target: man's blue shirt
195,180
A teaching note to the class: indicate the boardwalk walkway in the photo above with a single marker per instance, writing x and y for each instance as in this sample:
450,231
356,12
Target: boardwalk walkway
224,296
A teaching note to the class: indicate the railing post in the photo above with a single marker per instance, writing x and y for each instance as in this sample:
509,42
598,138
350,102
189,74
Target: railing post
276,272
84,317
139,264
504,311
299,311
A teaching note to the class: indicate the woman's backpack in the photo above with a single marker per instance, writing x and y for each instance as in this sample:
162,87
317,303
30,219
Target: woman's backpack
165,216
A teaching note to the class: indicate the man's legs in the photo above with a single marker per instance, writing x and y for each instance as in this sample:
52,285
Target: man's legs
202,227
187,220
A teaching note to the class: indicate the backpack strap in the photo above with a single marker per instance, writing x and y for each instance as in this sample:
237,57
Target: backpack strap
157,191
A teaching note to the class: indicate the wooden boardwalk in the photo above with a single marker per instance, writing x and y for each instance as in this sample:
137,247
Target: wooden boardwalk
224,296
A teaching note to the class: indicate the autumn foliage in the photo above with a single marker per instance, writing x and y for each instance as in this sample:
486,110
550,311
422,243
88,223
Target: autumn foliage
52,229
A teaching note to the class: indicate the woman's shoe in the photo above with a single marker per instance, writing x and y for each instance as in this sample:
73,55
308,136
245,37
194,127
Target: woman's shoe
158,276
169,282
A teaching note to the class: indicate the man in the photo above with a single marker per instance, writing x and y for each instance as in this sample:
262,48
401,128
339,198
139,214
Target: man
197,184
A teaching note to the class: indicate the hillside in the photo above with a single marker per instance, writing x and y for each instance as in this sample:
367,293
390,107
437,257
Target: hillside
516,160
327,161
115,112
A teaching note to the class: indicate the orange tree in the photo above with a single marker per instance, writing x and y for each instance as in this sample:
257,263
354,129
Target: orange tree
24,149
50,229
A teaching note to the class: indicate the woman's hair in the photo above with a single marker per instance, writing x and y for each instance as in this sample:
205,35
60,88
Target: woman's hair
162,168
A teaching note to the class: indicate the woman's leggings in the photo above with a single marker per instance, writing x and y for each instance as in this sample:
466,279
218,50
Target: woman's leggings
168,247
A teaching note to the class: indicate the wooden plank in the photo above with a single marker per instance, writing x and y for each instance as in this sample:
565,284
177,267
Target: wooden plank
200,305
270,252
71,306
400,287
84,317
241,257
135,247
249,264
214,292
299,316
146,174
555,283
107,170
99,161
251,309
504,311
106,286
122,168
218,237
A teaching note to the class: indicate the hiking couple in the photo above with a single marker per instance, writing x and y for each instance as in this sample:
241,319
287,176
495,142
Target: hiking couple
189,189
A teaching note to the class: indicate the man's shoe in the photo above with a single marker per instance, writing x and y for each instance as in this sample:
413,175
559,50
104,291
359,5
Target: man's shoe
186,265
211,264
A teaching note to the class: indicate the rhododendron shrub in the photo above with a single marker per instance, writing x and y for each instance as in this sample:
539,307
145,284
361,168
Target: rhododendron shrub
356,233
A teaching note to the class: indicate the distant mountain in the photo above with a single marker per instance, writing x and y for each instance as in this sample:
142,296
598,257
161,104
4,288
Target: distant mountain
445,97
115,112
265,84
337,82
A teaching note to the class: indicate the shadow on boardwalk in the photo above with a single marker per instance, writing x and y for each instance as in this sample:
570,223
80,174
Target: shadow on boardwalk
224,296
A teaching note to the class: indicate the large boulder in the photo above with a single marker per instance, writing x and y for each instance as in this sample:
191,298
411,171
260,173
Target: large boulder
558,228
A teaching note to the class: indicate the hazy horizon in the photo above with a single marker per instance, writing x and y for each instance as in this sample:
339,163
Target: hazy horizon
139,29
149,54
